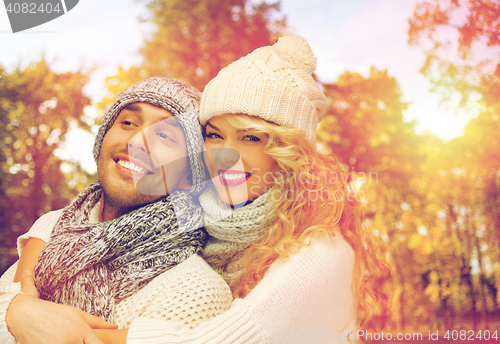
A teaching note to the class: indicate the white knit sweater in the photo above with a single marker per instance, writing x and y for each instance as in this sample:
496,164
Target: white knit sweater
306,297
174,295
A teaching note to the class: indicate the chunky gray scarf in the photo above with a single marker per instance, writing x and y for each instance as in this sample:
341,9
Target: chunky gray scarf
89,266
231,231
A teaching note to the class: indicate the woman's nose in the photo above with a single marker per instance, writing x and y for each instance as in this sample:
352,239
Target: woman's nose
229,156
224,156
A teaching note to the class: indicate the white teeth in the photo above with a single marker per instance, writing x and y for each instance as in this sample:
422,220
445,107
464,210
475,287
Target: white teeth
233,177
131,166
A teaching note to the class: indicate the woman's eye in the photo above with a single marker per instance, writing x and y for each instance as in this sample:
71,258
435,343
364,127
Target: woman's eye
251,138
213,136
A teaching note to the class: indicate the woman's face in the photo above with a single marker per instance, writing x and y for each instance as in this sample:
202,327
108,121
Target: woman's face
239,168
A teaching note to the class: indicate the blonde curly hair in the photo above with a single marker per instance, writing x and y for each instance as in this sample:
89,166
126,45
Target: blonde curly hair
302,175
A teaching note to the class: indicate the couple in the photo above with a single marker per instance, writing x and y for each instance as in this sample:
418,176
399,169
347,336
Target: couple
289,244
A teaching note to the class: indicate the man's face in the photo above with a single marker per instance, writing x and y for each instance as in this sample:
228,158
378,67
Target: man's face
143,157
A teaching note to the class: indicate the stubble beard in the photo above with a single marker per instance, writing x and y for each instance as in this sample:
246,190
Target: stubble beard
118,198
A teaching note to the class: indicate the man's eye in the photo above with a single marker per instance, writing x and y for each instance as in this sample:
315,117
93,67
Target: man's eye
128,123
164,136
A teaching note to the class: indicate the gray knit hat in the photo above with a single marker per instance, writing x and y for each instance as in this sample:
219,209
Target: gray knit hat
176,96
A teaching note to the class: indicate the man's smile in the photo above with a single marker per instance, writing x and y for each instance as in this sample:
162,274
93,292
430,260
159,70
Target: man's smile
131,167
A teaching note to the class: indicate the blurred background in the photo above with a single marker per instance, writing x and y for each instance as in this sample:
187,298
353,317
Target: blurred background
414,104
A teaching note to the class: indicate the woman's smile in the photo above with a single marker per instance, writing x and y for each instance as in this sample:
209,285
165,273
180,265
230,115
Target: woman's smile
237,161
232,177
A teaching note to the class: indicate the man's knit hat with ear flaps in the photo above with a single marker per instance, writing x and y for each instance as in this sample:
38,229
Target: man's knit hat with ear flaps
176,96
273,83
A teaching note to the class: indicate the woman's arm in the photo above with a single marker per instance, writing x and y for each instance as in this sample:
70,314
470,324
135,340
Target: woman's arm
37,236
30,244
30,254
33,320
112,336
308,295
190,293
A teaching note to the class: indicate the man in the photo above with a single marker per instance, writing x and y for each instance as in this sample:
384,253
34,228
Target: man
123,232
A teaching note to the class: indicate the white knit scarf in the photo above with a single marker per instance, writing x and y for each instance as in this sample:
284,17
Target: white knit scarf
232,231
90,265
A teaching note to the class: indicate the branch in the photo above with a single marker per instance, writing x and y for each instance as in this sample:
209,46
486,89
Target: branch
493,9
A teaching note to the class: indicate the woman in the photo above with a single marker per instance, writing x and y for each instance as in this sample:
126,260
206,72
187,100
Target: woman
303,216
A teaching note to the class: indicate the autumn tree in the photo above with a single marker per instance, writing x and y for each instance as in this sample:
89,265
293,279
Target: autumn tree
194,39
462,202
461,40
365,129
364,125
37,108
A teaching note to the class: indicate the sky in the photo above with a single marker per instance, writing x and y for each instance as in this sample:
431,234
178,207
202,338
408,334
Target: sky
345,35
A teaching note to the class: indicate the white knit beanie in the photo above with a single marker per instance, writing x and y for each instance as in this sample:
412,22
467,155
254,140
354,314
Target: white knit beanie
273,83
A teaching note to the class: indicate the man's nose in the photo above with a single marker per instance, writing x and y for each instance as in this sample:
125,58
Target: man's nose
137,142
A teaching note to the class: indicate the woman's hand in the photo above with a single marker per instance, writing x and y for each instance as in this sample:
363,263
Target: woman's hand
28,284
31,320
29,257
112,336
